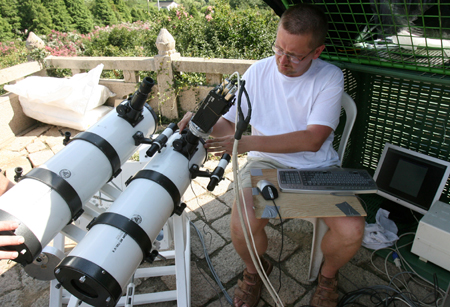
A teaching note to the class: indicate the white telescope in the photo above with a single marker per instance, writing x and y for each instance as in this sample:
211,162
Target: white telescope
51,196
119,240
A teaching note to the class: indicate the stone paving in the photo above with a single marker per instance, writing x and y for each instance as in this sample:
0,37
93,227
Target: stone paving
210,213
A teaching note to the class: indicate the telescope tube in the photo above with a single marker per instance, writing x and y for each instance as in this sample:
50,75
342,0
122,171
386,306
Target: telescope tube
49,197
99,266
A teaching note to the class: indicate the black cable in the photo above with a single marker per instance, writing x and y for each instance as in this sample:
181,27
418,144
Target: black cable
379,296
209,283
282,242
243,122
435,288
211,267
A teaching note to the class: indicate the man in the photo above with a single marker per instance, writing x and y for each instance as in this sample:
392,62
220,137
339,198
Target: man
5,185
295,101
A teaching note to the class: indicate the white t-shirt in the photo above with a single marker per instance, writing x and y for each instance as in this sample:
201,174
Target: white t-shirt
282,104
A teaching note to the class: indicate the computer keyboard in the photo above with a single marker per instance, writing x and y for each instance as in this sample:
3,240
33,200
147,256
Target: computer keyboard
326,180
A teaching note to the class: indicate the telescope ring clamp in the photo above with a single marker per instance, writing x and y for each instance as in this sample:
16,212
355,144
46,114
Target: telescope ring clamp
29,251
61,186
131,228
164,182
105,147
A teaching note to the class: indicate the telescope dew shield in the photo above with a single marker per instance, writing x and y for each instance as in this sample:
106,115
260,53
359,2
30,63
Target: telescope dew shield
100,266
51,196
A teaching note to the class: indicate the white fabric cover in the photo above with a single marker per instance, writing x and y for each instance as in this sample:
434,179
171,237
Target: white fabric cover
80,93
62,117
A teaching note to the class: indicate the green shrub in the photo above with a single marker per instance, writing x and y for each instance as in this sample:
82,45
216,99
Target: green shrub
212,32
12,53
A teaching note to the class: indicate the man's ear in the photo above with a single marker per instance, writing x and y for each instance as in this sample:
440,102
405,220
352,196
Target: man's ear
318,51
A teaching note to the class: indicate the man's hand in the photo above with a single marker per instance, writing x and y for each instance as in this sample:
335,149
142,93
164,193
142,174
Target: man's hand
185,120
9,240
224,144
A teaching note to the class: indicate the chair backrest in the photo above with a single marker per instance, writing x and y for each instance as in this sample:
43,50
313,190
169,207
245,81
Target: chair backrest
349,107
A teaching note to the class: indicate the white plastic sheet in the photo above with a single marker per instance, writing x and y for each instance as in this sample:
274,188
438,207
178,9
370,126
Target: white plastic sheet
79,94
381,234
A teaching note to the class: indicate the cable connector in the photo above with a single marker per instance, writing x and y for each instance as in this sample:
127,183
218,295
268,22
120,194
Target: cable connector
396,260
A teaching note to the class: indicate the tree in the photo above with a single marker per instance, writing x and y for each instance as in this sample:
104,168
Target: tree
5,30
82,17
35,17
103,13
60,16
238,4
10,14
124,10
138,14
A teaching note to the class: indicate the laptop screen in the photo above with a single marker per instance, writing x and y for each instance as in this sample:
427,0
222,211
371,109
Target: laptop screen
411,179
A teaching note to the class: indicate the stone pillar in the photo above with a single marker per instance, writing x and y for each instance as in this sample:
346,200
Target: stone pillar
166,85
35,42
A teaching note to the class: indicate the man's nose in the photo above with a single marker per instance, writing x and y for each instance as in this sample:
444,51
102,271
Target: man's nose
284,59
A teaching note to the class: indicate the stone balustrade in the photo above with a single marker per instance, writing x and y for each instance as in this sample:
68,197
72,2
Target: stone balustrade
164,98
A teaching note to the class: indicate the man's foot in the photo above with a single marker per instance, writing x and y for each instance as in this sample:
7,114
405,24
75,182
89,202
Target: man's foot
326,294
248,291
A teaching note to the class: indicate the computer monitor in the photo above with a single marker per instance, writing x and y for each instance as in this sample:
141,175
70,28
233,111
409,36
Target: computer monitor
409,178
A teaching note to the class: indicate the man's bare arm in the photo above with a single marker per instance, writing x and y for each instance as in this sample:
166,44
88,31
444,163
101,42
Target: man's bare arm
310,139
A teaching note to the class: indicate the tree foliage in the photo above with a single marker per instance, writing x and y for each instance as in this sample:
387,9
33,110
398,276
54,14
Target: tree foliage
103,13
213,31
62,21
5,30
123,10
81,15
10,14
35,17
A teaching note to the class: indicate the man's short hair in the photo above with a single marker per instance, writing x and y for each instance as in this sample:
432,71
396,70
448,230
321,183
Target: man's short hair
306,18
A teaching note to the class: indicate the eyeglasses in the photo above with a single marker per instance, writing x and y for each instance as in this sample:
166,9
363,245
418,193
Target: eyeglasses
291,58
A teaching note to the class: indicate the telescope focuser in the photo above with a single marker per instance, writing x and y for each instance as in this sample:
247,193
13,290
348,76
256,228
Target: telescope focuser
161,140
157,144
131,109
216,176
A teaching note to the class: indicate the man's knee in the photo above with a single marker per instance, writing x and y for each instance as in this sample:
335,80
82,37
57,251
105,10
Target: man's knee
350,229
256,225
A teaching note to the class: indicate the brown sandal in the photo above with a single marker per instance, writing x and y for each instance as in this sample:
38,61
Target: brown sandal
249,290
326,294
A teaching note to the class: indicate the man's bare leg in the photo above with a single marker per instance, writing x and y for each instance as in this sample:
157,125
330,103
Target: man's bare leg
341,242
238,239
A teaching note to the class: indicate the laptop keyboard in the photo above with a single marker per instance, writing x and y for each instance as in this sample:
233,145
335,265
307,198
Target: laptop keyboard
326,180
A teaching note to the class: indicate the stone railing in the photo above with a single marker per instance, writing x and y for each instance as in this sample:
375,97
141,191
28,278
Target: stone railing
164,99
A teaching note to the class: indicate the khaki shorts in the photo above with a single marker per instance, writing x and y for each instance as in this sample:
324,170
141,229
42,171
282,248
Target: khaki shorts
258,163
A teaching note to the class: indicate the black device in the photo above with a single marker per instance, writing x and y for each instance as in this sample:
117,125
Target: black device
217,103
267,190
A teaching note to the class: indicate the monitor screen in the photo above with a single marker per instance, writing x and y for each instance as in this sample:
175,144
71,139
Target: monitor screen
411,179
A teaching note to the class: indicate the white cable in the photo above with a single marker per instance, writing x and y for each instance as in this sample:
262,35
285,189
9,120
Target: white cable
405,264
251,248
